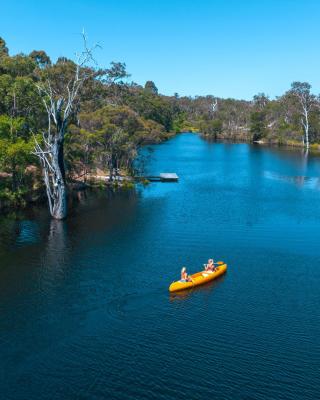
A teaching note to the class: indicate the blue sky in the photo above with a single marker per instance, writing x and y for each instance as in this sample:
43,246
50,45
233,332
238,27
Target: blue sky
228,48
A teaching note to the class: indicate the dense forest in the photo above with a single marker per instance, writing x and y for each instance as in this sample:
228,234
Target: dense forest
68,121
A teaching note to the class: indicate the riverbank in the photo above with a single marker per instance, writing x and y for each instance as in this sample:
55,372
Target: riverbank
284,143
34,192
99,179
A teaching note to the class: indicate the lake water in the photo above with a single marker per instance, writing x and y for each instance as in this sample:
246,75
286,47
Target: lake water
85,311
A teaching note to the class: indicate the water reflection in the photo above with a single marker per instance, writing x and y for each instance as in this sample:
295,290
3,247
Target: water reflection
21,229
56,247
28,232
300,181
207,288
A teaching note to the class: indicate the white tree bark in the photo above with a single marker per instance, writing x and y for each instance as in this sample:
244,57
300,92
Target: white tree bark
307,102
59,107
214,105
305,124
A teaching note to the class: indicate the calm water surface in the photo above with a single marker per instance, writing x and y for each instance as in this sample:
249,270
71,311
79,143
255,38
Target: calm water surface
84,307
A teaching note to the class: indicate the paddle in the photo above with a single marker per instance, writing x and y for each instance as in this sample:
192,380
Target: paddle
218,263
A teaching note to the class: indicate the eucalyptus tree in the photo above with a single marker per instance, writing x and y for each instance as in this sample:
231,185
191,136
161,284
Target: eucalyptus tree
260,101
114,134
15,152
307,103
258,117
3,47
115,80
60,94
214,105
150,87
41,58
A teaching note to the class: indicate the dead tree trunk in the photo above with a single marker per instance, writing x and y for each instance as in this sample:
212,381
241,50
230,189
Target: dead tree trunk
60,105
59,210
52,163
51,155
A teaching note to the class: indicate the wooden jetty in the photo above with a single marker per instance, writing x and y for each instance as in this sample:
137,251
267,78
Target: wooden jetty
163,177
169,177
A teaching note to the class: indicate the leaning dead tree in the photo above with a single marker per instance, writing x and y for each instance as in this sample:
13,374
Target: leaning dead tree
61,102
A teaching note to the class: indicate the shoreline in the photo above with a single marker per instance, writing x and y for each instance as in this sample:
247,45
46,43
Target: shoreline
123,181
288,144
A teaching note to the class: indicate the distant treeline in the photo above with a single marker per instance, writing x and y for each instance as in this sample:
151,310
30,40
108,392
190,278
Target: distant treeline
114,116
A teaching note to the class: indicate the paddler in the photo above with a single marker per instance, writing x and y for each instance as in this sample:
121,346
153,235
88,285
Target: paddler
184,275
210,265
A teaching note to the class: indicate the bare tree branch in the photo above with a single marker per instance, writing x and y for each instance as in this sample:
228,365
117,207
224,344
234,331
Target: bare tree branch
60,104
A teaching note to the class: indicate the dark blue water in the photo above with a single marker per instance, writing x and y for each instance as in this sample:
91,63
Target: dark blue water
85,311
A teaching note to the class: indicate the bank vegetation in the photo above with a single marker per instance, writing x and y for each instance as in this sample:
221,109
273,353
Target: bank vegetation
69,123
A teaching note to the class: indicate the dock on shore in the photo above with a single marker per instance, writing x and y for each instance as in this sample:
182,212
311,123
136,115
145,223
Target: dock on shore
163,177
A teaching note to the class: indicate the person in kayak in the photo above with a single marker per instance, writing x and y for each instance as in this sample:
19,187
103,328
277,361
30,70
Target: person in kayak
184,275
210,265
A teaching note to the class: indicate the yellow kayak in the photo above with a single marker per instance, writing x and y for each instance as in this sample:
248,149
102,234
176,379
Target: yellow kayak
199,278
